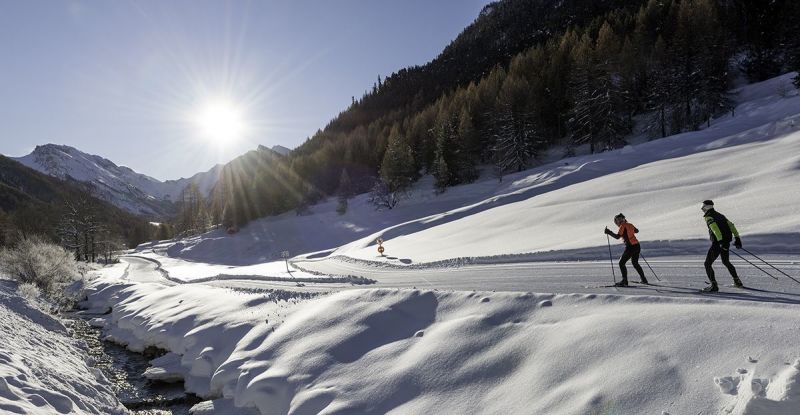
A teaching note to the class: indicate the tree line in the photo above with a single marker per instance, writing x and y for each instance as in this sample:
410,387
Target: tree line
666,64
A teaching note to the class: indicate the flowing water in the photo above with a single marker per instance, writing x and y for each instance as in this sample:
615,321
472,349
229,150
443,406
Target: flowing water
125,369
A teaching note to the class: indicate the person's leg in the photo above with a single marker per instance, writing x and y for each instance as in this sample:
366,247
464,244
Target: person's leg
637,249
713,253
726,260
622,260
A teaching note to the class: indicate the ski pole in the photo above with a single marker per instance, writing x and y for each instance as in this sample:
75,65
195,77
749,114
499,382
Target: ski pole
648,266
772,266
611,258
762,269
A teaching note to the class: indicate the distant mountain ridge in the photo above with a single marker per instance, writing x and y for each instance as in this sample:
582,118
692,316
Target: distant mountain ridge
33,203
134,192
122,186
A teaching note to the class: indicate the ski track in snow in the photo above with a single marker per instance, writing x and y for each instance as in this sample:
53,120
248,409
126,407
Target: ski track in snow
424,351
563,345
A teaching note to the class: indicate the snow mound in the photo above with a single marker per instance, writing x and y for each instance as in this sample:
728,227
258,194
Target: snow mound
42,370
412,351
777,396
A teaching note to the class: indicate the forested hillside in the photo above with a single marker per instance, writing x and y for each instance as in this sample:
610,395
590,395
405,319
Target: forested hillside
32,203
524,76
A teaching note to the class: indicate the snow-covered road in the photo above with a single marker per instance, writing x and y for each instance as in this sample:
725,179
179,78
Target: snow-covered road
680,276
143,270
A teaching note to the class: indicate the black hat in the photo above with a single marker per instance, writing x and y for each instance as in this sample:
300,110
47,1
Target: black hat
620,216
708,202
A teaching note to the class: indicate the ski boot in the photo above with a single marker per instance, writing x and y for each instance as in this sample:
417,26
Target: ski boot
644,281
711,288
738,283
622,283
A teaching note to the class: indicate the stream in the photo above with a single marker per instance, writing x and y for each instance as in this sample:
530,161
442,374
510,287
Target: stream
124,369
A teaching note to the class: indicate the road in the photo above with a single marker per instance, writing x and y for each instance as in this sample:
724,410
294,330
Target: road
680,276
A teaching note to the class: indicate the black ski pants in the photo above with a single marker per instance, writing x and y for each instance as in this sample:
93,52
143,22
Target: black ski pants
719,249
631,253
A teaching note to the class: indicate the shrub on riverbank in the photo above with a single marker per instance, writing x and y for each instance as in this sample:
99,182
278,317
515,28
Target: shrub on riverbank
35,261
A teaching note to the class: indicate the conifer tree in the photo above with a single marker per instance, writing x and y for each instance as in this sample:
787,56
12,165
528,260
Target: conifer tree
345,192
444,166
597,115
397,169
441,173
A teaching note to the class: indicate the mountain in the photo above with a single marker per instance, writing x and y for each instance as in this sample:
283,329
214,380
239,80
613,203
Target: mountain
125,188
525,77
281,150
33,203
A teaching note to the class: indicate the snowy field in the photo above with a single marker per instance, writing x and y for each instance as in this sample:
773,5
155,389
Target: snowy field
748,164
440,328
664,350
42,369
180,270
422,351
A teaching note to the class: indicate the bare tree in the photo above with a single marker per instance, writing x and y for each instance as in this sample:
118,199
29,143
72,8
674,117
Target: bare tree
78,229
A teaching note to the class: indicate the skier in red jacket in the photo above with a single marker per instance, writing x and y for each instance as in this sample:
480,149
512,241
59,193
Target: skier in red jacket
632,248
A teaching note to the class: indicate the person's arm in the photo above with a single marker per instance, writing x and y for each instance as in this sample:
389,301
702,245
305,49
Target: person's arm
714,228
611,234
737,241
733,229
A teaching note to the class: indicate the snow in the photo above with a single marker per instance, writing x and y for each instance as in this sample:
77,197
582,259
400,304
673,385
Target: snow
748,164
422,351
403,351
43,370
119,185
178,270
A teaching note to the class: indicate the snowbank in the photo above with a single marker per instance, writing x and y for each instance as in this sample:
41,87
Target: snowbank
42,369
410,351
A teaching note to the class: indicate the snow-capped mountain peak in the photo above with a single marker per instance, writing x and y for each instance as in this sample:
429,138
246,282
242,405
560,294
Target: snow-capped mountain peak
120,185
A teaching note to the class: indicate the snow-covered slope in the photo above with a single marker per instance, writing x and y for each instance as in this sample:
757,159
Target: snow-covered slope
748,163
120,185
433,352
43,370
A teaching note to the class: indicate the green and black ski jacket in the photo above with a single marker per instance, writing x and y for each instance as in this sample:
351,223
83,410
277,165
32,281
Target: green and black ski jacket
720,229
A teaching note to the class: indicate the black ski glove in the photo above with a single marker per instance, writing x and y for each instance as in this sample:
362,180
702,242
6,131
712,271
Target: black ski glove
738,243
609,233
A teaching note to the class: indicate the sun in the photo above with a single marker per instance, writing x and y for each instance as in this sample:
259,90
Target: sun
220,120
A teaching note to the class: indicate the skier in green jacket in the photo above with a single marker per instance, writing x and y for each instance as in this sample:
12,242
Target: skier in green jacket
721,231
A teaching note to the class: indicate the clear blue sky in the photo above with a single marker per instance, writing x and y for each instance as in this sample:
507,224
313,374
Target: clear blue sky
122,79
